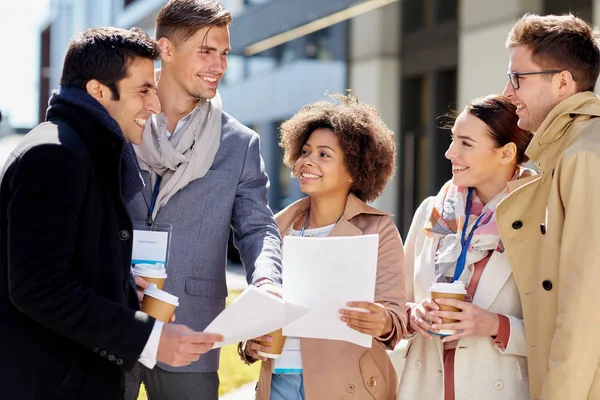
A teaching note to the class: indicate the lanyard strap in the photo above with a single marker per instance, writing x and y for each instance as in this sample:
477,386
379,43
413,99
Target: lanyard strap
153,200
306,220
460,264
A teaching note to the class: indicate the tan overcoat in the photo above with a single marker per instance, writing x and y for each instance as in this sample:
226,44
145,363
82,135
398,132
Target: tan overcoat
339,370
550,226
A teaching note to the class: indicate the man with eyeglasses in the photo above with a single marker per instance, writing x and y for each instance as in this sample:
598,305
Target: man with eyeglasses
548,224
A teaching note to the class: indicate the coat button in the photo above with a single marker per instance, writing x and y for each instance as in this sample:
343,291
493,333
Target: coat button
124,235
517,225
103,353
351,387
95,349
543,229
547,285
418,364
372,382
111,357
119,361
498,385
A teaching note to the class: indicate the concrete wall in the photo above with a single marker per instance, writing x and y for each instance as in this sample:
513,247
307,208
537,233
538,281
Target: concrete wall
483,58
374,74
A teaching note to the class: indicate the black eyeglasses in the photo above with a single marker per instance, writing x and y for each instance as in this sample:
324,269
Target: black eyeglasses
513,77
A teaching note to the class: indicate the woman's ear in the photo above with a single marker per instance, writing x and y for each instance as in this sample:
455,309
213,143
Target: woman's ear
509,153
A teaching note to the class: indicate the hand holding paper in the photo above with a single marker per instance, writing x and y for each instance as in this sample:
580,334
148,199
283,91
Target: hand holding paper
254,313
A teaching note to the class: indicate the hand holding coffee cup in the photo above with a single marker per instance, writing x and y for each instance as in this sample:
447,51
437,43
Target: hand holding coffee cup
152,273
275,346
441,290
470,320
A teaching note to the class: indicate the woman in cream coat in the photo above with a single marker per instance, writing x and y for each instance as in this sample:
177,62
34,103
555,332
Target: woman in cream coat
485,359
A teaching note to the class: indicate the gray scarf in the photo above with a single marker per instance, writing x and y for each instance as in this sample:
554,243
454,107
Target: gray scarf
188,155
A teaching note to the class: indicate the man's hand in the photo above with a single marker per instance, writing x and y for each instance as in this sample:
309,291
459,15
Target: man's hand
180,345
271,288
141,285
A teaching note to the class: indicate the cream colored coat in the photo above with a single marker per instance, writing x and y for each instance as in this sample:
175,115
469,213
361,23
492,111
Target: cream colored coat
340,370
482,371
551,229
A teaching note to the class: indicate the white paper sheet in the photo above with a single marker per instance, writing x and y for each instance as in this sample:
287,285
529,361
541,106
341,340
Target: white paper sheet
323,274
253,313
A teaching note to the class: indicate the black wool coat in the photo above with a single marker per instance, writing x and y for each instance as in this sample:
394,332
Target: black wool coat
70,325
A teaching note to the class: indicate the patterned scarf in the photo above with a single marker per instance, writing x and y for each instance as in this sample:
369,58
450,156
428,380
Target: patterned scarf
131,180
447,220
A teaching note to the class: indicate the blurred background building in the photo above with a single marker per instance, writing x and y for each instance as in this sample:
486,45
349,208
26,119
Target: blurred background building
412,59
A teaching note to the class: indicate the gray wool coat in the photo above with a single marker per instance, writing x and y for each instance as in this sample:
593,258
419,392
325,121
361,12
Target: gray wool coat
232,193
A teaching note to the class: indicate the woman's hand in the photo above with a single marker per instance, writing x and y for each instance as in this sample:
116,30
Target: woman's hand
254,345
421,317
472,320
376,322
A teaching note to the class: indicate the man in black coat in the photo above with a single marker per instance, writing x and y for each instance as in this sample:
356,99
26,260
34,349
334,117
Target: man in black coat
70,320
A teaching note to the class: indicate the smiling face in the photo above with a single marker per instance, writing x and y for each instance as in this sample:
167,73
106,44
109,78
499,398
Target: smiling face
320,168
198,64
476,160
536,95
137,99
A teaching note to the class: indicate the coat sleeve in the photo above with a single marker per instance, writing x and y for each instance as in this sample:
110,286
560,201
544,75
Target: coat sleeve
414,242
516,340
48,185
389,285
575,348
256,235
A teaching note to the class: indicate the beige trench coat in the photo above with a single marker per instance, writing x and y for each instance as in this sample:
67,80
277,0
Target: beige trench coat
339,370
551,230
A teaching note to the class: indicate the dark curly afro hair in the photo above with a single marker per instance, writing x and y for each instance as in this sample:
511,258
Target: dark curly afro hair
368,144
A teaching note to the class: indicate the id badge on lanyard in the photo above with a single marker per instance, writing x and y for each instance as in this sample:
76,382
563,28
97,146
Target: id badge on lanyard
151,243
151,240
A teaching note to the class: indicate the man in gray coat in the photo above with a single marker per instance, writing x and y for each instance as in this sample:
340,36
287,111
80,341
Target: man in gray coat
203,173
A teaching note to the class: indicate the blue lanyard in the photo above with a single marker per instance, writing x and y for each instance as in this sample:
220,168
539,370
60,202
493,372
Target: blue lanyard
153,201
306,220
460,264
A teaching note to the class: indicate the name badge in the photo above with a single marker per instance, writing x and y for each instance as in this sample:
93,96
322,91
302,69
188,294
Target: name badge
150,243
290,361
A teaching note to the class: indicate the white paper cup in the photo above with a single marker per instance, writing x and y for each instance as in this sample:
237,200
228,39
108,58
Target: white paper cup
440,290
159,303
153,273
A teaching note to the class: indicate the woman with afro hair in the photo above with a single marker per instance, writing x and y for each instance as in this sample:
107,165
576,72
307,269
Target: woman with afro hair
343,155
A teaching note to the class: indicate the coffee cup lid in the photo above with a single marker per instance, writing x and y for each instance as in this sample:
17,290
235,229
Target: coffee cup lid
155,292
150,270
456,287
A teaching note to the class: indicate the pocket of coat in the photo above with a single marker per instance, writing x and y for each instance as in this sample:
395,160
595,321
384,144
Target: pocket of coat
70,387
522,372
372,377
205,287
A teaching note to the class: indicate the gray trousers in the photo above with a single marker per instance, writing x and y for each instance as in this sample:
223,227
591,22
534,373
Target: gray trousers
165,385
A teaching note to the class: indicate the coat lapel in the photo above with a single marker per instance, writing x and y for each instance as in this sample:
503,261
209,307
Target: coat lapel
494,277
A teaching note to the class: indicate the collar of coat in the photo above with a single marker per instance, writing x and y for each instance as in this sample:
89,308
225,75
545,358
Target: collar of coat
298,210
554,135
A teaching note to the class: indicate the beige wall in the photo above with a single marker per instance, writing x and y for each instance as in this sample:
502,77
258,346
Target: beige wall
374,74
483,58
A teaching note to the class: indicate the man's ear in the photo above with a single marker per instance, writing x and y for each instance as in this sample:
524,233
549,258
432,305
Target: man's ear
98,91
166,49
566,84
